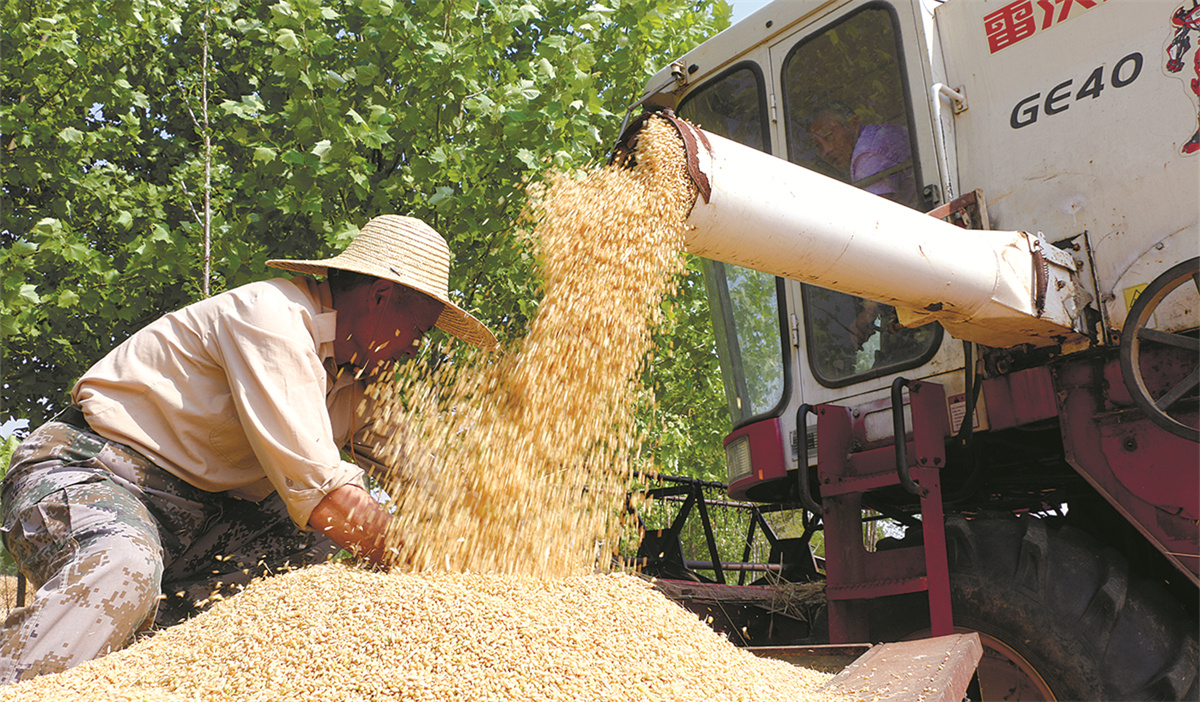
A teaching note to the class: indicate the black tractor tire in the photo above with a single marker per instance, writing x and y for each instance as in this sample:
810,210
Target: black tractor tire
1056,604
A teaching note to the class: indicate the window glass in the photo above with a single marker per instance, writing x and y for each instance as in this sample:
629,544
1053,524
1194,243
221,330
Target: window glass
847,117
745,309
744,302
731,107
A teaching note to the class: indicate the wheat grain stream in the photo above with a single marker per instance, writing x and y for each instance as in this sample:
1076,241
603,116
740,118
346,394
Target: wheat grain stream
534,449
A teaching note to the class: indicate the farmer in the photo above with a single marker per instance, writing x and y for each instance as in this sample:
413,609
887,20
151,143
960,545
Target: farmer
195,449
874,157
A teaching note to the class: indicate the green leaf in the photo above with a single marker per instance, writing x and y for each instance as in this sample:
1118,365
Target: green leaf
440,195
76,253
29,294
68,298
528,158
334,80
47,226
286,38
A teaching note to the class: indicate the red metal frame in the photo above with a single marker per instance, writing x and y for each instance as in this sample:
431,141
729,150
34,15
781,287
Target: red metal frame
855,575
1149,475
1019,398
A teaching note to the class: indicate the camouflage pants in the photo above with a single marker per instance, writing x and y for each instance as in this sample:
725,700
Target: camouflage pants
113,545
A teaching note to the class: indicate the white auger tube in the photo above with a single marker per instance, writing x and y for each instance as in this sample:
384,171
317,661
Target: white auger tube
995,288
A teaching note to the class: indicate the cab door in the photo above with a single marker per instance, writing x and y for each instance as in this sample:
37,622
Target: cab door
852,89
841,92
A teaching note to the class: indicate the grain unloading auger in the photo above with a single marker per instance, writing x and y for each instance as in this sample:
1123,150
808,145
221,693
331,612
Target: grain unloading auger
995,288
993,419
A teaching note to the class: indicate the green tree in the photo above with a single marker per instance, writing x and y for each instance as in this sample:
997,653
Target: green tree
321,115
683,375
7,446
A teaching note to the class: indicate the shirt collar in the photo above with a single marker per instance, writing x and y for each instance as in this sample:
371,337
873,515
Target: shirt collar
324,321
324,326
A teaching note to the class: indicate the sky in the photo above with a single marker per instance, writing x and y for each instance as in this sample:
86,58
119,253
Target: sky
742,8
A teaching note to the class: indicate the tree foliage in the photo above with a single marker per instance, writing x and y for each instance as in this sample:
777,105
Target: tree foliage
691,417
322,114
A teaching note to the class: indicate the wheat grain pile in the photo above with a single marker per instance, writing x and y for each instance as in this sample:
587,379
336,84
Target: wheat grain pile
515,465
339,633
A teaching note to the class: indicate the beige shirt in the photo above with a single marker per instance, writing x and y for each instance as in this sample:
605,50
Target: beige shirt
237,393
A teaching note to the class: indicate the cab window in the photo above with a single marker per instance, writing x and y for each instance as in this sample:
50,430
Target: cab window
731,106
847,117
745,303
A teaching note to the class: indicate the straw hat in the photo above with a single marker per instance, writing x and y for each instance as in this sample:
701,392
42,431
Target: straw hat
407,251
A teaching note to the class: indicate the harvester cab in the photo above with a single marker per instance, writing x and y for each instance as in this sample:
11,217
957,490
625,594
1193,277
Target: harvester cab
951,257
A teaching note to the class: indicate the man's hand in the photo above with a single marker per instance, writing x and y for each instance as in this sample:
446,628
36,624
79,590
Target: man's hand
353,520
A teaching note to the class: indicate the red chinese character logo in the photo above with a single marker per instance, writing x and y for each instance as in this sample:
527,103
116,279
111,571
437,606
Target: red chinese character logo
1009,25
1048,9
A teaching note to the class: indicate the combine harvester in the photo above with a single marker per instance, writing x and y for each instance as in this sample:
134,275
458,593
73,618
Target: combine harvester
972,224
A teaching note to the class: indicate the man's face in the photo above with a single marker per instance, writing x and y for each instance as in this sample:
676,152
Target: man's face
401,328
387,324
834,139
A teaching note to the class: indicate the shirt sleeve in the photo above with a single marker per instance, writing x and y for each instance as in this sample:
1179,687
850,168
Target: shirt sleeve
880,148
277,383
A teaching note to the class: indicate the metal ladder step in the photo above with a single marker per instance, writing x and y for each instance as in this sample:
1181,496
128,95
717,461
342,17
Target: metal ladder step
853,574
